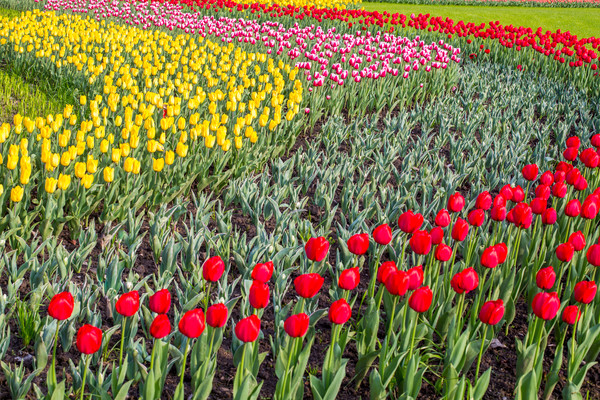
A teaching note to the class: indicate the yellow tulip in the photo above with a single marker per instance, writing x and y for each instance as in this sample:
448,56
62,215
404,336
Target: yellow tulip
64,181
92,165
128,164
158,164
169,157
80,169
87,181
109,174
50,185
16,194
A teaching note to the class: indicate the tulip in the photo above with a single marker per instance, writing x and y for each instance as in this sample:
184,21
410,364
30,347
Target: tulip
456,202
382,234
577,240
585,291
160,327
128,304
61,306
543,192
316,249
262,272
415,277
500,201
385,270
460,230
507,192
522,215
476,217
358,244
530,172
518,194
573,142
339,312
571,314
545,278
538,205
409,222
492,312
191,324
349,279
590,207
308,285
216,315
213,269
484,201
547,178
498,213
573,208
490,257
296,325
397,283
259,295
442,218
559,190
549,216
88,341
595,140
443,252
545,305
570,153
437,235
593,255
160,302
502,251
465,281
565,251
421,299
420,242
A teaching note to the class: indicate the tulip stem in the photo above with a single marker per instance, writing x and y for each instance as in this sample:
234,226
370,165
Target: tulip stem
459,313
124,324
152,355
87,366
287,368
185,353
538,341
54,350
412,340
574,338
207,296
481,351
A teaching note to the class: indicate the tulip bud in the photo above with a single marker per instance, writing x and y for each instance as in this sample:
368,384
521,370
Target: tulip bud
397,283
498,213
128,304
191,324
415,277
593,255
443,252
339,312
409,222
571,314
547,178
456,202
530,172
442,218
259,295
507,192
263,272
565,251
358,244
89,339
385,270
296,325
308,285
213,269
484,201
559,190
465,281
577,240
476,217
538,205
349,279
382,234
543,192
61,306
160,327
420,300
573,141
585,291
545,305
545,278
420,242
316,248
437,235
247,329
549,217
216,315
492,312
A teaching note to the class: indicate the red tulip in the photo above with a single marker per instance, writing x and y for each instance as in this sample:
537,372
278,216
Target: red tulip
545,278
443,252
316,248
560,177
538,206
585,291
415,277
518,194
490,257
484,201
498,213
263,272
563,167
61,306
213,269
349,279
191,324
543,192
160,302
522,215
420,242
339,312
477,217
420,300
559,190
492,312
549,217
442,218
502,251
296,325
216,315
385,269
581,184
573,176
565,251
500,201
308,285
593,255
573,208
571,314
545,305
397,283
573,141
590,207
590,158
507,192
547,178
358,244
89,339
577,240
460,230
128,304
409,222
530,172
160,327
456,202
595,140
247,329
382,234
465,281
437,235
259,295
570,153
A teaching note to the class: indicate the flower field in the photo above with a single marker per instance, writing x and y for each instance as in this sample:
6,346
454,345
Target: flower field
306,200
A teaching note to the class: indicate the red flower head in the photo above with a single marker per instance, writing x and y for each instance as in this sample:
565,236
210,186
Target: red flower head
382,234
397,283
518,194
559,190
571,314
573,141
593,255
160,327
247,329
213,269
216,315
570,153
385,270
490,257
263,272
549,217
420,242
89,339
420,300
484,201
349,279
530,172
538,205
573,208
296,325
160,302
577,240
409,222
442,218
522,215
437,235
565,251
61,306
590,158
500,201
596,140
573,176
465,281
545,278
590,207
547,178
498,213
502,251
128,304
358,244
545,305
456,202
476,217
415,277
340,312
191,324
259,295
443,252
543,192
460,229
316,248
585,291
507,192
492,312
308,285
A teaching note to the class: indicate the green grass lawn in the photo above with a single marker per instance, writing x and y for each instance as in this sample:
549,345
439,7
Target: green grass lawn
5,12
584,22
